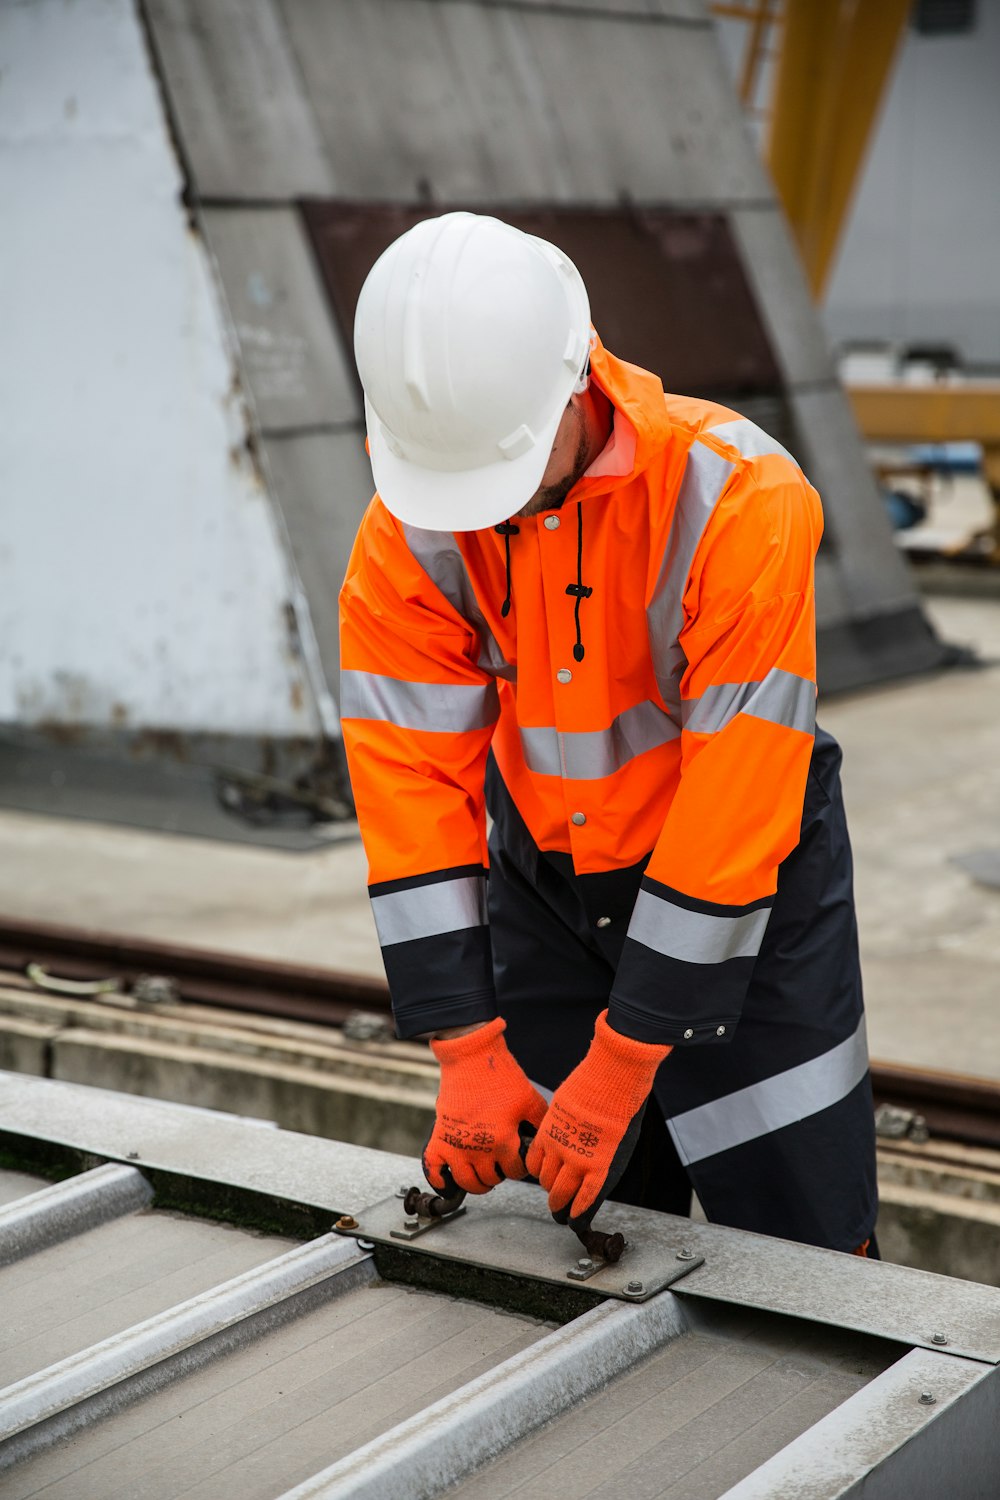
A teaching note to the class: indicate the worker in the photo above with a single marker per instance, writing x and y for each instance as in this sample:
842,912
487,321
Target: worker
586,608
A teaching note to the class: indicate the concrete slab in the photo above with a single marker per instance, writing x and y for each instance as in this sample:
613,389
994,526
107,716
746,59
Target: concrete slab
922,775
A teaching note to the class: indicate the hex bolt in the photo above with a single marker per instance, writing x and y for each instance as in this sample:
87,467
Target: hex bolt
585,1263
346,1221
685,1254
635,1287
927,1398
413,1223
938,1338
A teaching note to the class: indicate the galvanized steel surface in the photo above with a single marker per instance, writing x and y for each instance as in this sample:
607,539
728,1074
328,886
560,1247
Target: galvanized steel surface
491,104
860,1447
236,95
67,1208
58,1399
201,1144
509,1230
296,365
433,1450
382,1392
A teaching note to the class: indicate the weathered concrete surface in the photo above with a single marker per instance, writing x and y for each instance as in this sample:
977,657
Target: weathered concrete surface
940,1209
922,781
304,1078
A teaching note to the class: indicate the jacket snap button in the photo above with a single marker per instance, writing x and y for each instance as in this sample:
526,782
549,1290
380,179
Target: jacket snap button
720,1031
551,523
579,819
688,1034
564,675
604,921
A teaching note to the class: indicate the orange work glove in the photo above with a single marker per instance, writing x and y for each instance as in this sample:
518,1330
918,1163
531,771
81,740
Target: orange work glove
584,1142
483,1100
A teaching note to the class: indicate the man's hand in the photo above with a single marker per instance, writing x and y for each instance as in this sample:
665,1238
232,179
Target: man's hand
589,1132
483,1101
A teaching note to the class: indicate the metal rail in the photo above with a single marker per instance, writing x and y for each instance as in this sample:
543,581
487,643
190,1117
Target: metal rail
954,1107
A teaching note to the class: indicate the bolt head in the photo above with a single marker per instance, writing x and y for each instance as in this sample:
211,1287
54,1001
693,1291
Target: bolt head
585,1262
685,1254
927,1398
634,1287
938,1338
346,1221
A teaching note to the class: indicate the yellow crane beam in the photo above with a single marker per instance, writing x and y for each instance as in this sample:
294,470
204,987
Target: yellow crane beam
834,62
938,413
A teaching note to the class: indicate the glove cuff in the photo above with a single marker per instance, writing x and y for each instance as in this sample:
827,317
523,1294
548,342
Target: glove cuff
627,1067
463,1049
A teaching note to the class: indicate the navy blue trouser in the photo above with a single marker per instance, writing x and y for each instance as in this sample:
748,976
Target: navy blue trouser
774,1131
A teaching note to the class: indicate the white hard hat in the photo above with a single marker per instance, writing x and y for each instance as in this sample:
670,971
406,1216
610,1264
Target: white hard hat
470,338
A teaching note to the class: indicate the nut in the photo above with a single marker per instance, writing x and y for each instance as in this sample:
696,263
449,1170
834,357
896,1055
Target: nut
685,1254
927,1398
635,1287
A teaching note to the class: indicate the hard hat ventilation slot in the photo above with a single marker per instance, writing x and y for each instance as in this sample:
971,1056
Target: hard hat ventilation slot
576,348
519,442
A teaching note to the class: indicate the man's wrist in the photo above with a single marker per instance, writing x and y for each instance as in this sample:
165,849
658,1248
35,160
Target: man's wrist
449,1033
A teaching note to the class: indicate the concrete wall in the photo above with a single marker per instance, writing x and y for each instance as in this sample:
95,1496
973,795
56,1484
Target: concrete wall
143,580
920,257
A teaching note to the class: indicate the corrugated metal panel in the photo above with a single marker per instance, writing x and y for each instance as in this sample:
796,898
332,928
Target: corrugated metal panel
282,1406
692,1420
668,290
295,364
310,1376
245,121
490,105
64,1298
323,483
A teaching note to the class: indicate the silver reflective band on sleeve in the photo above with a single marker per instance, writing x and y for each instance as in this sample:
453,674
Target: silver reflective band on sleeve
750,440
439,555
705,477
441,707
773,1103
780,697
587,755
695,937
428,910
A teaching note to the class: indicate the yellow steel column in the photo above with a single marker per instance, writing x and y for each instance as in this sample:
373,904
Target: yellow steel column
835,59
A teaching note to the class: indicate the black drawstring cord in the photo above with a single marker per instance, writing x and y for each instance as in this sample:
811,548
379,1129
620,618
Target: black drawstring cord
507,529
578,590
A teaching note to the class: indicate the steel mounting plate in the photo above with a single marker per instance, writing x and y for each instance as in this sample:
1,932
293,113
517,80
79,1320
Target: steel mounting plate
520,1242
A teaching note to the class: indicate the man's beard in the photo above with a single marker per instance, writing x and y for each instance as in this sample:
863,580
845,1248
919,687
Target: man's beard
551,496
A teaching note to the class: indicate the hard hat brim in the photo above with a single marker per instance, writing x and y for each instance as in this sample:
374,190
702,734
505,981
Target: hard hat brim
456,500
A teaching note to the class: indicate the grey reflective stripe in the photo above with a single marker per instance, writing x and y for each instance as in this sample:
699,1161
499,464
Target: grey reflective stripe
773,1103
441,707
587,755
694,936
438,554
750,440
780,697
427,910
705,477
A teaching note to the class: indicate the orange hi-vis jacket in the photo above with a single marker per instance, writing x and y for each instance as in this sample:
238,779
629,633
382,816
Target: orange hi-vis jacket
683,736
